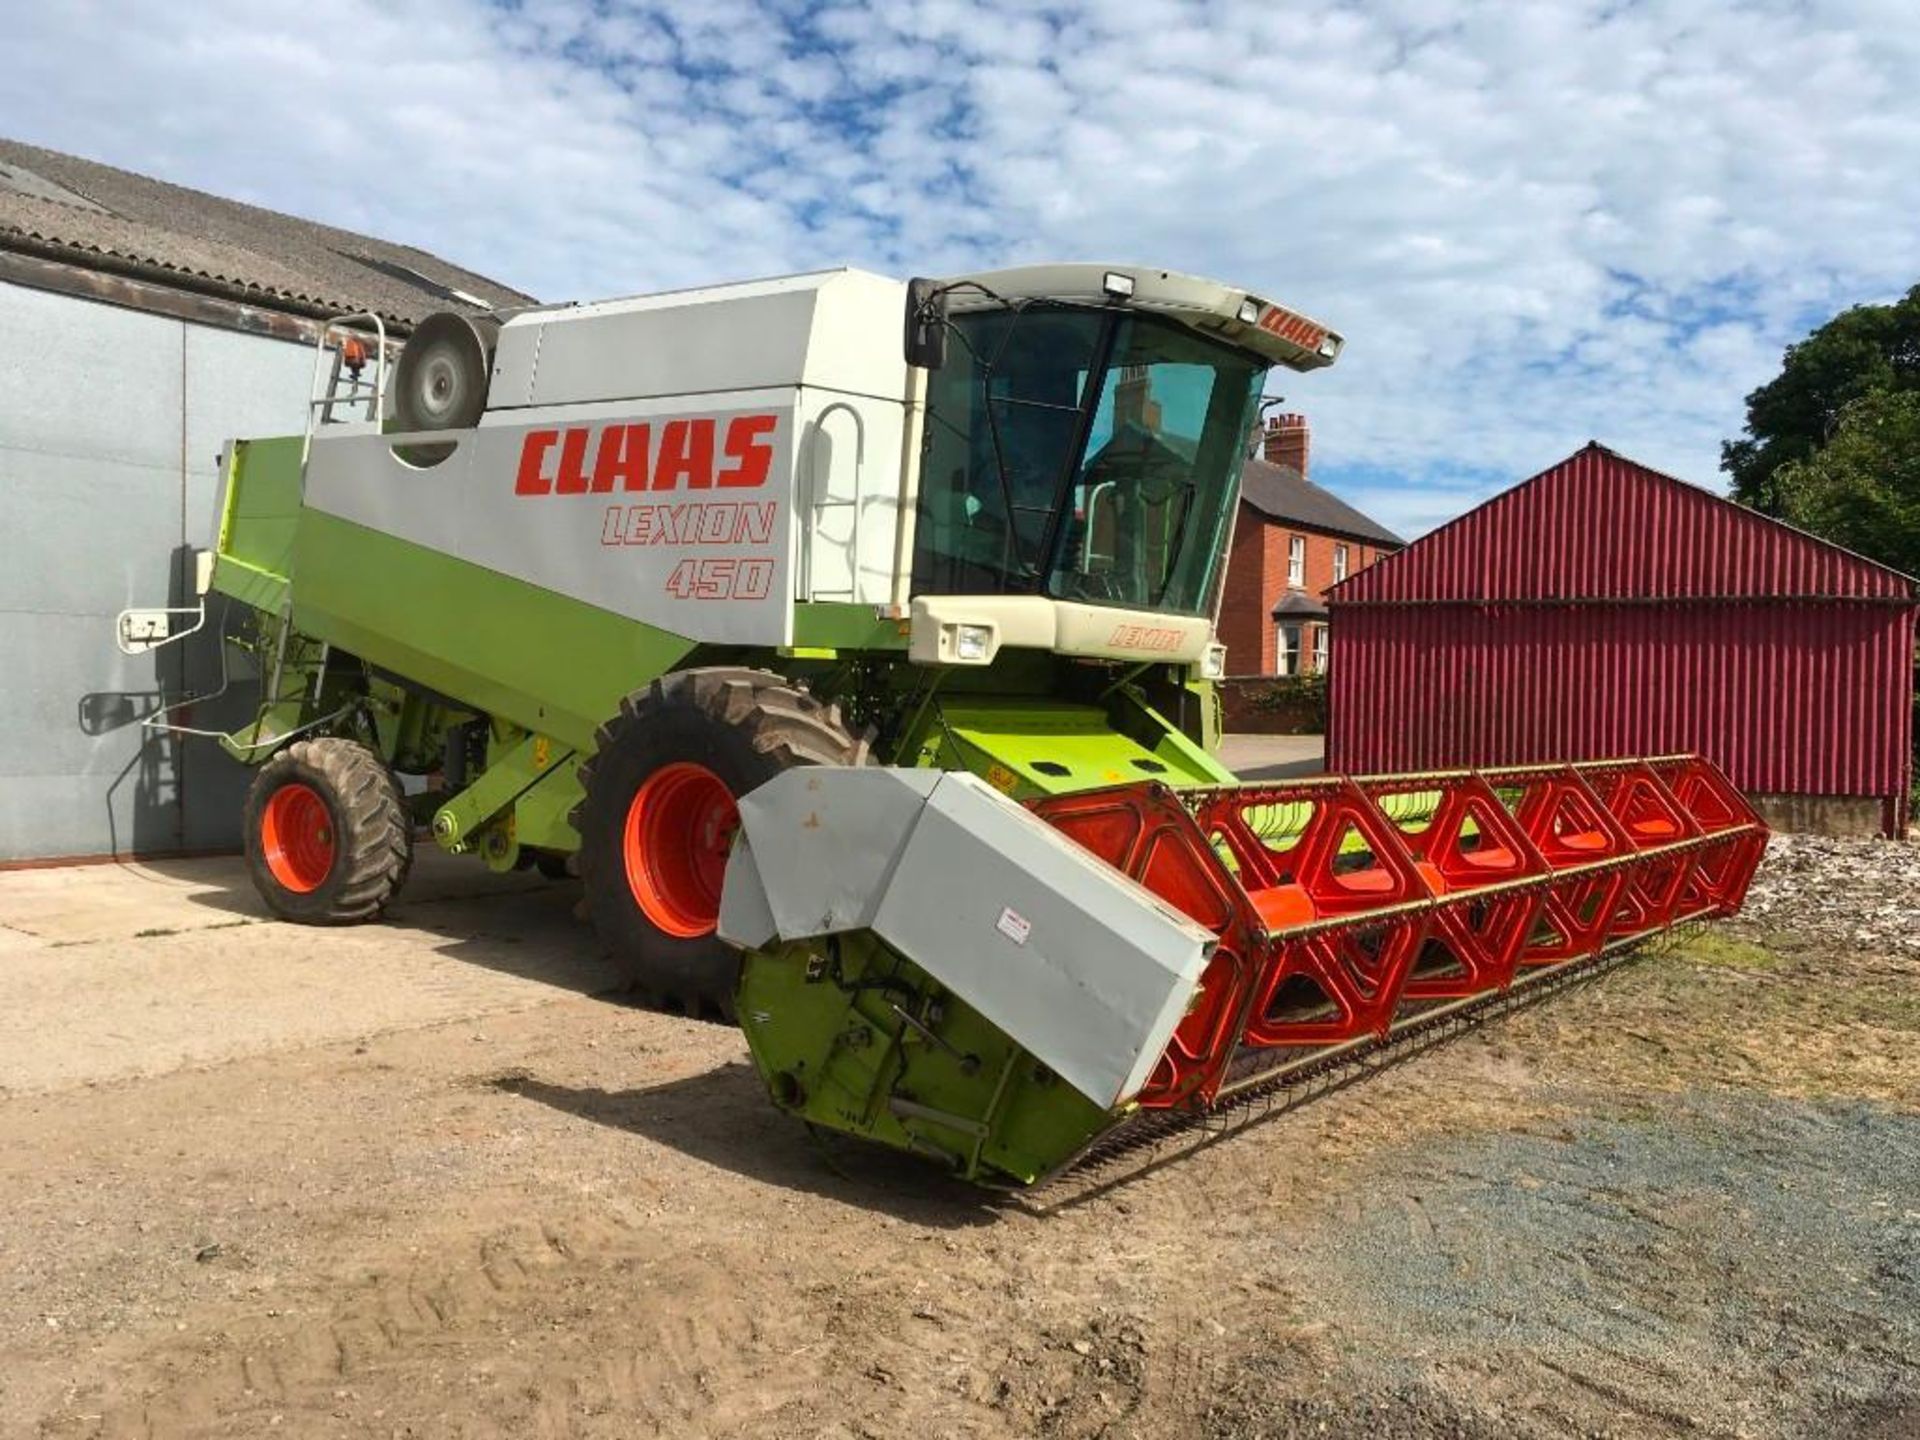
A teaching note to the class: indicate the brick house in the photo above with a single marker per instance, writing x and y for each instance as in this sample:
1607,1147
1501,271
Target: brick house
1291,543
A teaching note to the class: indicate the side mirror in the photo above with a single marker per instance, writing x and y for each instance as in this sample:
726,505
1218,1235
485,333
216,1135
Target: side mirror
926,324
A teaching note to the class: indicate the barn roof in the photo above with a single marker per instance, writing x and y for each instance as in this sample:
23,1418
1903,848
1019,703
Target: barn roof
1601,527
85,214
1282,493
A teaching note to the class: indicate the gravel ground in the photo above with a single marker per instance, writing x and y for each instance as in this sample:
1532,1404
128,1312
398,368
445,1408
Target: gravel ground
1849,892
1727,1265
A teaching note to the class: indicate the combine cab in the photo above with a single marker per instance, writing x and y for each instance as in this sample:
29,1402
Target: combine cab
866,688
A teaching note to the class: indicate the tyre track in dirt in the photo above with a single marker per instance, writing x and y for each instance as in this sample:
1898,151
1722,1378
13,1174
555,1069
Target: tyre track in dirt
512,1340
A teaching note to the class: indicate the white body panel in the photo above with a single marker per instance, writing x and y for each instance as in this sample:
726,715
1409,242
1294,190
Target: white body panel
696,460
848,491
1086,970
711,562
832,330
1068,627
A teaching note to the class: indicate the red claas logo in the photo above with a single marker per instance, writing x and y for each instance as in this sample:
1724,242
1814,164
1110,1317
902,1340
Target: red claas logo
595,460
1297,328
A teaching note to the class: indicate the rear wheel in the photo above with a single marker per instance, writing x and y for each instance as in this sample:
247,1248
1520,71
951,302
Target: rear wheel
328,838
658,821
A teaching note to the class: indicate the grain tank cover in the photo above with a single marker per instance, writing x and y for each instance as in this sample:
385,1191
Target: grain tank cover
832,329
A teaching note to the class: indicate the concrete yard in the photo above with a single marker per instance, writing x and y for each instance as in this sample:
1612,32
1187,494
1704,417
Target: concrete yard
1274,757
422,1179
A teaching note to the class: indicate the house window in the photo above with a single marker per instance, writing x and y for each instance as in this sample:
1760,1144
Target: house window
1320,650
1297,561
1339,563
1288,658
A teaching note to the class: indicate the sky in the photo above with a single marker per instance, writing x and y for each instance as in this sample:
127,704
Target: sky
1535,223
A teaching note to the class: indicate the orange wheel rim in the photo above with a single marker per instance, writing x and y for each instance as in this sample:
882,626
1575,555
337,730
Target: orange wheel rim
678,835
296,837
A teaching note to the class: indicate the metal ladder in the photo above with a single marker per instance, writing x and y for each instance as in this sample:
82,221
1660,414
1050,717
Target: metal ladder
817,507
340,385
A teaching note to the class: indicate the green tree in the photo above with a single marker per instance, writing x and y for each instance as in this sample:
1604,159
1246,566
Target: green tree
1860,352
1862,488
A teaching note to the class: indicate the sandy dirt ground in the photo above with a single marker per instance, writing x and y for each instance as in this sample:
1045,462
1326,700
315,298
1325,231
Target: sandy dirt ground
421,1180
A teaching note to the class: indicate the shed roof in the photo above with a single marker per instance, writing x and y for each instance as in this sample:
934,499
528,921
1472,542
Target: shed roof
1282,493
92,215
1601,527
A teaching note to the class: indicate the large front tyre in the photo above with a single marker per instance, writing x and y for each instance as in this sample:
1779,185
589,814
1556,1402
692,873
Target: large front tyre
658,818
328,837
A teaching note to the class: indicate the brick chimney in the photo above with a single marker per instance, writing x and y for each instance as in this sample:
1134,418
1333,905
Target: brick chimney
1133,402
1285,441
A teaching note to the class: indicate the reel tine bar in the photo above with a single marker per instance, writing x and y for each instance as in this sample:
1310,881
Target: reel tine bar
1346,907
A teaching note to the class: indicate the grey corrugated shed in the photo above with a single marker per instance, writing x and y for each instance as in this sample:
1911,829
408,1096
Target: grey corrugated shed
1282,493
134,225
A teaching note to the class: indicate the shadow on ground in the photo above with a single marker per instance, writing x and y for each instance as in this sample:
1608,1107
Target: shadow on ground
1286,770
724,1118
518,924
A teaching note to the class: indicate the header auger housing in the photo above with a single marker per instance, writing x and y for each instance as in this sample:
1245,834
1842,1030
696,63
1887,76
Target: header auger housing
852,641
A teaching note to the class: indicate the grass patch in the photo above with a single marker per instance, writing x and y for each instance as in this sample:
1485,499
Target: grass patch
1726,952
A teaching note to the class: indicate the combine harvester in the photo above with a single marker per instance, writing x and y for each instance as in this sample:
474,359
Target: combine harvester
866,687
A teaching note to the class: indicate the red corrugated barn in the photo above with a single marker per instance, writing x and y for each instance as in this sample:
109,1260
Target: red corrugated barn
1603,609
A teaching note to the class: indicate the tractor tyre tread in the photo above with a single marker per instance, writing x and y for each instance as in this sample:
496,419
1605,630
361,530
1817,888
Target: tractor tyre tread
782,725
373,834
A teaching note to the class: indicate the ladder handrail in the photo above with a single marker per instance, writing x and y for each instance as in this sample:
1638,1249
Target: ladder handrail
816,506
322,398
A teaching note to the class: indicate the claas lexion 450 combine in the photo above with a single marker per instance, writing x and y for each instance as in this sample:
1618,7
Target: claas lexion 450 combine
864,682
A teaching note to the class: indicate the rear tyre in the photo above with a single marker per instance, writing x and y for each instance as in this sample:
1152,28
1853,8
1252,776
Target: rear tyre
658,819
328,838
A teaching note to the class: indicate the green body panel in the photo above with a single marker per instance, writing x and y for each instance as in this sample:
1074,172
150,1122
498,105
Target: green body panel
498,814
1029,747
542,814
254,554
507,648
1205,699
831,625
851,1036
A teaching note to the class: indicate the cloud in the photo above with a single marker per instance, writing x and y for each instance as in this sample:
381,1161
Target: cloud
1535,224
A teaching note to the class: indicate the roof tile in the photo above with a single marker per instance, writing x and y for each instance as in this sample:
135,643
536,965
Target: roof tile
171,234
1282,493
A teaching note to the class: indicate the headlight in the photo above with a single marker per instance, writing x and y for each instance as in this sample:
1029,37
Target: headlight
971,642
1213,664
